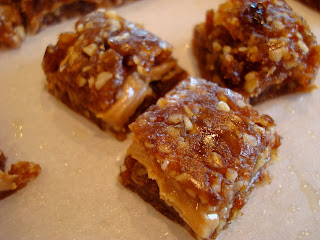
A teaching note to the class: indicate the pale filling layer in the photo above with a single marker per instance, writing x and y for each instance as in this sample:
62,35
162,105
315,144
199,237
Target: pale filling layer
203,219
132,94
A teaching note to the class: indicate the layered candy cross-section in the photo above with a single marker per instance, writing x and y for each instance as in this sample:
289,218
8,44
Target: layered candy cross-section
196,154
110,69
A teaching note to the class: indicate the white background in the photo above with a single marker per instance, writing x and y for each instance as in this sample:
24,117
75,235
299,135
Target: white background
77,195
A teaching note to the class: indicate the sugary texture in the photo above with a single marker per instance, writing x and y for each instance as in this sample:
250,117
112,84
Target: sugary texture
110,70
17,177
258,48
12,30
204,148
312,3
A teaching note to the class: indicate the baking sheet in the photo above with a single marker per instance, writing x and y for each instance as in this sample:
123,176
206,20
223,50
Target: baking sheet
77,195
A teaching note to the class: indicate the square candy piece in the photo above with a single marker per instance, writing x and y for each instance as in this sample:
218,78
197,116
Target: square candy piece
197,153
110,70
258,48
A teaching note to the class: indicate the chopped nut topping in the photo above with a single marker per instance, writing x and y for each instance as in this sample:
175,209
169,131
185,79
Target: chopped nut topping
124,36
227,49
187,123
230,125
182,177
277,54
182,144
223,106
89,25
114,25
111,14
91,82
188,111
149,145
164,165
242,49
249,139
172,131
141,70
80,27
136,60
299,35
279,25
216,187
81,81
231,174
86,69
164,149
175,118
241,103
102,79
162,102
216,46
90,49
303,46
251,82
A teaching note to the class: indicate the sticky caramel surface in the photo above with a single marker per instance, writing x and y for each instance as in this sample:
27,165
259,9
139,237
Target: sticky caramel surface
258,48
109,65
207,138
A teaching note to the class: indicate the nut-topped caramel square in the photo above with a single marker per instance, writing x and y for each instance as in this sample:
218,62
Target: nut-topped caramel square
259,48
196,154
110,69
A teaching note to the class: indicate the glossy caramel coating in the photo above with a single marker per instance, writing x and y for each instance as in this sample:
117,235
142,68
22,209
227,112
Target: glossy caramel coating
258,48
207,139
108,60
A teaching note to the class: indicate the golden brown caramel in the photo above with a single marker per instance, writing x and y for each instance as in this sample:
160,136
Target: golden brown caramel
110,70
258,48
204,147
